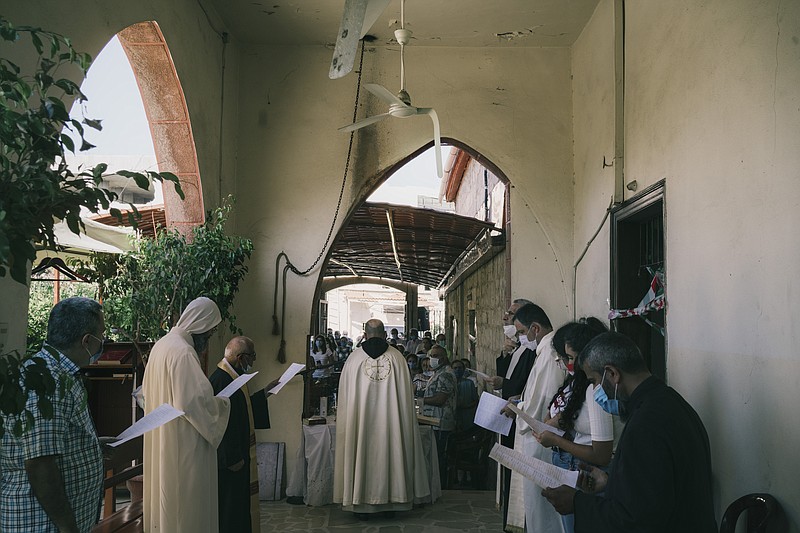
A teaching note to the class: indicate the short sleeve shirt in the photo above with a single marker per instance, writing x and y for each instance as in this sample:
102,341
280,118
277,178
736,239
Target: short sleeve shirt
71,437
443,380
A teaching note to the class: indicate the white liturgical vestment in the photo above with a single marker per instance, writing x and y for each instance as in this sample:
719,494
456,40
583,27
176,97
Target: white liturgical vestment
380,462
180,457
526,504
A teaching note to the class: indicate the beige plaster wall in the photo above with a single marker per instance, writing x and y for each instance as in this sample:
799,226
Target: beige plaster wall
712,105
291,159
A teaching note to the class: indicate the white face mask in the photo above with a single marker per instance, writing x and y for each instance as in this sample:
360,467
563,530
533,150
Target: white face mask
528,343
434,362
510,331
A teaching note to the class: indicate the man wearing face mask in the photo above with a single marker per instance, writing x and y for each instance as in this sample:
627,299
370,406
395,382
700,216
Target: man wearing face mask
180,457
236,454
52,478
413,342
513,367
660,477
546,376
440,402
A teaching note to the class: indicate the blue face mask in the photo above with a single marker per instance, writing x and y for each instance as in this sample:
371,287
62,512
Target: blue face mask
94,357
602,399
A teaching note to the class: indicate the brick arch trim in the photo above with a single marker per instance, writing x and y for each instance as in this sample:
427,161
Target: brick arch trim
168,116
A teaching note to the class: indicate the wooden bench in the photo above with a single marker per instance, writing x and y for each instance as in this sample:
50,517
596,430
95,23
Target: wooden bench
127,520
119,470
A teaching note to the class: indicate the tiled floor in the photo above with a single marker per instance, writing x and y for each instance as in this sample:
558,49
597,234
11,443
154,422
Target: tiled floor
457,510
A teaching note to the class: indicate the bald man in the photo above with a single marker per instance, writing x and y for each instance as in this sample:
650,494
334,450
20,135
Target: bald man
236,454
380,464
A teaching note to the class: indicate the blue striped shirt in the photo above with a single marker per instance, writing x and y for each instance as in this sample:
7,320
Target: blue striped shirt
70,435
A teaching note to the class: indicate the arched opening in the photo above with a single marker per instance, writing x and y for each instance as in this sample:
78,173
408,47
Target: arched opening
471,249
463,157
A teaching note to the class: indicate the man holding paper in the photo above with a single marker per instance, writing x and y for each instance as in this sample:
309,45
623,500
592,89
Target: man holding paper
660,478
536,515
236,454
180,457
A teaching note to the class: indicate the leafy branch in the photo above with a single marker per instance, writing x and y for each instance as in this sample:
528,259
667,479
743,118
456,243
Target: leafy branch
37,188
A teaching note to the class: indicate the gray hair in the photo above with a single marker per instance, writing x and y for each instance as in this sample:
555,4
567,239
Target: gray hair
71,319
613,349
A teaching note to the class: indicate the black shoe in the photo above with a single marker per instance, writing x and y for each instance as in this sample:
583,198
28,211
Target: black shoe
362,516
295,500
388,514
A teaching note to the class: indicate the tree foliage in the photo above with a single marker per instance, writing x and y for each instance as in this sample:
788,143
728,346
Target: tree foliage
36,185
155,282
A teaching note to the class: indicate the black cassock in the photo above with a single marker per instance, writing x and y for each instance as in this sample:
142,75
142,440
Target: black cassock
234,487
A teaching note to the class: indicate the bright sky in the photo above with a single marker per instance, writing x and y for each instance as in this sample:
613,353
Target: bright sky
113,97
417,177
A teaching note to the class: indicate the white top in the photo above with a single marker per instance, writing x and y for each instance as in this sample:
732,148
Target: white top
594,424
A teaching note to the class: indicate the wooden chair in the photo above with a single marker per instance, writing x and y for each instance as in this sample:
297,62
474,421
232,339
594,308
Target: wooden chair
468,451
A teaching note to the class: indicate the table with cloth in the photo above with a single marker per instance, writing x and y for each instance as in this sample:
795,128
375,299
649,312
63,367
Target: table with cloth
312,477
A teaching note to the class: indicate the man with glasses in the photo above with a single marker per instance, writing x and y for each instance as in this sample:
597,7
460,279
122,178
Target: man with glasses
236,454
52,475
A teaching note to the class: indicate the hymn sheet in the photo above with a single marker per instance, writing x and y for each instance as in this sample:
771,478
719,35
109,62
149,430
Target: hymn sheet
544,474
488,414
536,425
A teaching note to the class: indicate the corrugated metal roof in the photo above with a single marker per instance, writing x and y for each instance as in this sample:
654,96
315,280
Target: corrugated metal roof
427,242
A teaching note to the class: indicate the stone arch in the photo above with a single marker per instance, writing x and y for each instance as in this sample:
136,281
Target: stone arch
376,181
168,116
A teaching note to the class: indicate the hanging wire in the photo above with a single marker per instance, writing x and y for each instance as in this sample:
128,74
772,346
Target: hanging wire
402,47
277,327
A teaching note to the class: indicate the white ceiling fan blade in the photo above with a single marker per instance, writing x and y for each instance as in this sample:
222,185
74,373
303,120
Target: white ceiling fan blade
357,19
437,138
384,94
364,122
374,10
344,55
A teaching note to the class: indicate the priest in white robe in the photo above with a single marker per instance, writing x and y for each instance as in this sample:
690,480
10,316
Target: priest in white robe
528,509
180,457
380,463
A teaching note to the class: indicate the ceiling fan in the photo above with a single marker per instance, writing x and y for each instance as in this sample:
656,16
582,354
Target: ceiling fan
400,104
357,18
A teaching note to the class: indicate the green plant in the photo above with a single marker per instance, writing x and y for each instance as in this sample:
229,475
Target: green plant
36,185
155,281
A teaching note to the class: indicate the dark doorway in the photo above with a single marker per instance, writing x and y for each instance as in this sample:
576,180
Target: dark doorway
637,257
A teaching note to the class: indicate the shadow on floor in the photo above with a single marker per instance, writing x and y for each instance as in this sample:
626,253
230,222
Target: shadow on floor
457,510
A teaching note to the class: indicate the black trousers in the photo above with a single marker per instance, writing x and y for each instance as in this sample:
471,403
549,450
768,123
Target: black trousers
234,500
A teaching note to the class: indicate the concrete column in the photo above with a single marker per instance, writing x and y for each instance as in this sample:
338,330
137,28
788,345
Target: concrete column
412,300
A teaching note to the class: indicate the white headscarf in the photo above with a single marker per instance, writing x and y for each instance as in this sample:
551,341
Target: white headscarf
200,316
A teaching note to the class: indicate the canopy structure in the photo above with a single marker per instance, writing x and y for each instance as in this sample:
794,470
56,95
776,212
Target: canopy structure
94,237
404,243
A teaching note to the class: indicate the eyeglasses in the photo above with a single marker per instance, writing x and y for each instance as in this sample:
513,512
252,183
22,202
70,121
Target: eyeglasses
249,354
102,341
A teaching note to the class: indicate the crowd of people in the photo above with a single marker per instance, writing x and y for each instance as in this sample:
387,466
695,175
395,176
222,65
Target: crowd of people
642,452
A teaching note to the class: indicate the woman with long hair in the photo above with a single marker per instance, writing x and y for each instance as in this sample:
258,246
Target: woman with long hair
589,432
